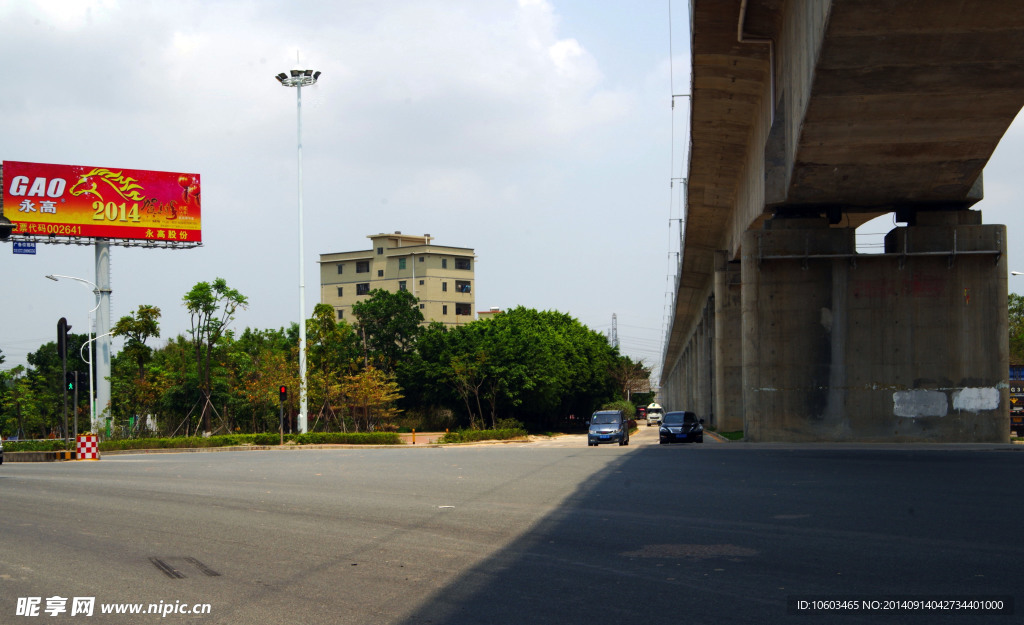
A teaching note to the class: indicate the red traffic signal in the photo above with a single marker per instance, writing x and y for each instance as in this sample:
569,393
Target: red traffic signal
283,390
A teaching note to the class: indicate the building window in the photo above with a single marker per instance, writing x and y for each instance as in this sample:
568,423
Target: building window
421,259
363,288
340,266
363,266
341,291
422,306
462,263
421,282
401,263
462,286
462,309
380,250
401,285
444,263
380,273
444,286
444,310
341,314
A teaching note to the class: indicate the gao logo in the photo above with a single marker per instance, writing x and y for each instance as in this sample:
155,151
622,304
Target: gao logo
39,188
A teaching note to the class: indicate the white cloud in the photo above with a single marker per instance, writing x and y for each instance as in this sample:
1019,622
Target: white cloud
490,124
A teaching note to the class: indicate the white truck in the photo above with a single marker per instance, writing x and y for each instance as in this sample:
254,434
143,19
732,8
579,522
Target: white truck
654,414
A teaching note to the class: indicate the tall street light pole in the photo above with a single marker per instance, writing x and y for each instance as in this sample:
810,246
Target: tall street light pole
88,330
300,78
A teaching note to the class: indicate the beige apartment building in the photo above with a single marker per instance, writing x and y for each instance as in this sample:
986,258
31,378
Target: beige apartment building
440,276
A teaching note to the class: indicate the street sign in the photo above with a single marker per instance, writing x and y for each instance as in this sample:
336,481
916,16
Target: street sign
25,247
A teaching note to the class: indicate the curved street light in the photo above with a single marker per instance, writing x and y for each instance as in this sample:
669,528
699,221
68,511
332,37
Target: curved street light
300,78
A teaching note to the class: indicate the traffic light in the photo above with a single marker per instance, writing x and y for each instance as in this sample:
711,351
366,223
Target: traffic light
63,331
69,380
283,390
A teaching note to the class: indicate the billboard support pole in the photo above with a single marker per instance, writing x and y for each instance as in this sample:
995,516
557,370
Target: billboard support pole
102,331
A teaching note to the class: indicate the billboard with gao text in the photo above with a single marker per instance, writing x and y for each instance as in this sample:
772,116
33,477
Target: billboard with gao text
101,202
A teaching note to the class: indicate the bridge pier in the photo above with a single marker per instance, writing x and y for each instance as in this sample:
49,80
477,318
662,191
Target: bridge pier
909,345
847,109
728,351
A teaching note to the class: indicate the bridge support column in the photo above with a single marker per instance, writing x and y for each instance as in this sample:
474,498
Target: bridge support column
728,345
910,345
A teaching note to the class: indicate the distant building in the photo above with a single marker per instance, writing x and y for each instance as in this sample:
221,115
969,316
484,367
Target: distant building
440,276
485,314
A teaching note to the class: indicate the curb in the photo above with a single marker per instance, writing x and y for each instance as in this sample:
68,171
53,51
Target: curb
199,450
39,456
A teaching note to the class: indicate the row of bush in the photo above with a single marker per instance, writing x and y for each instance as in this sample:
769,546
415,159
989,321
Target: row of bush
229,440
53,444
235,440
472,436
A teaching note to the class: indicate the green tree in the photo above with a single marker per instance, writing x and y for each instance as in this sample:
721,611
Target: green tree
334,352
389,324
173,369
137,328
372,394
424,373
46,388
536,367
1016,323
260,361
212,307
17,403
137,394
630,376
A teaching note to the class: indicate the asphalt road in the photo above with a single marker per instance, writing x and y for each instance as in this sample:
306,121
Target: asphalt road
551,532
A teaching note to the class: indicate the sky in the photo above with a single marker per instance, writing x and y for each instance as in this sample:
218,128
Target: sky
538,132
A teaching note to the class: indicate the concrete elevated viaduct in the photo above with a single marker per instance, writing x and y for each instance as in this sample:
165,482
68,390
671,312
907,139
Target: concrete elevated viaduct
809,118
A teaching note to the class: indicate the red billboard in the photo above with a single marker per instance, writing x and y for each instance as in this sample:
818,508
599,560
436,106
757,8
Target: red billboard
79,201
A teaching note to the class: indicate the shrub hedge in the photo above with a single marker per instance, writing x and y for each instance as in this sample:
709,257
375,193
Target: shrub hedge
53,444
472,436
229,440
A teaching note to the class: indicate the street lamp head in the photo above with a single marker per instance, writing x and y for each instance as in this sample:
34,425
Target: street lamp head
298,78
52,278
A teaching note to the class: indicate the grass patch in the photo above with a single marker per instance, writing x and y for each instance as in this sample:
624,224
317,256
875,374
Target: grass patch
472,436
733,436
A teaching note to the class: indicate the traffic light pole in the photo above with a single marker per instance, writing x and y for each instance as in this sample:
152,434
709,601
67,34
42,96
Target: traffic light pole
282,394
62,349
64,363
75,404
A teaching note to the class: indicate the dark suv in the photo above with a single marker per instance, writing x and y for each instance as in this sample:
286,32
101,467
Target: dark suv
608,426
